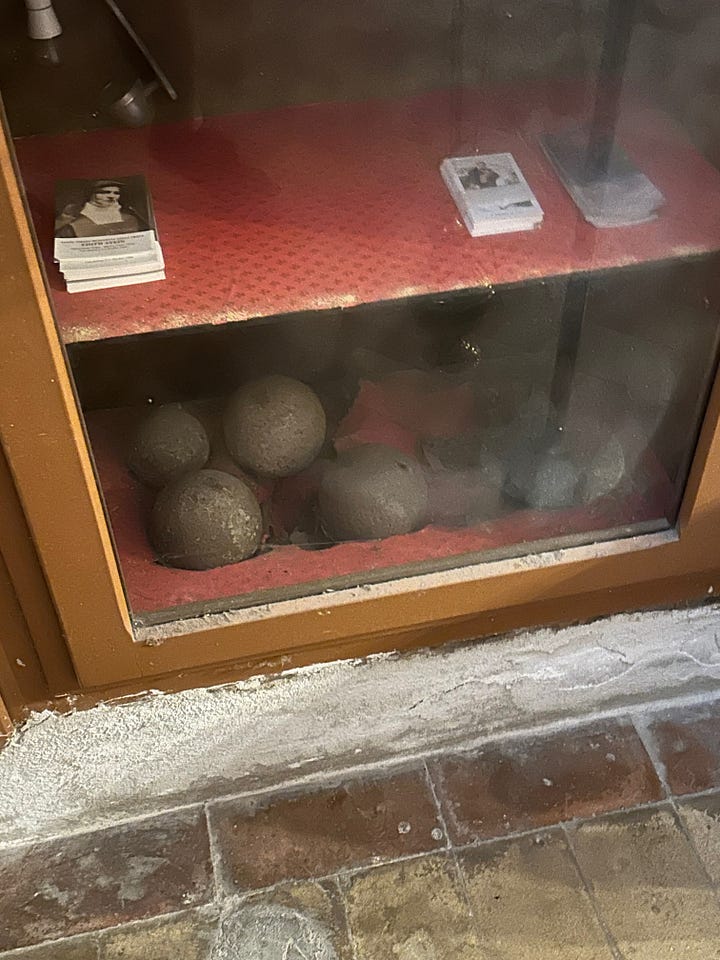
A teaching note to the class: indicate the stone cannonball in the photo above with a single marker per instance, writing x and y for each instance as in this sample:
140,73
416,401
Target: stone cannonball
274,426
205,519
168,443
542,479
371,492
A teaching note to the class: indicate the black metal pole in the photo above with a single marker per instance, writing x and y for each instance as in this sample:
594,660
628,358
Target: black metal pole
618,34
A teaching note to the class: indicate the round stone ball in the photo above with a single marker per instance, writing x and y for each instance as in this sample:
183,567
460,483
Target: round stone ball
274,426
543,479
168,443
205,519
555,484
370,492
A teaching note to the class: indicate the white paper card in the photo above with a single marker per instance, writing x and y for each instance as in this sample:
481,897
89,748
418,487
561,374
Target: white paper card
491,193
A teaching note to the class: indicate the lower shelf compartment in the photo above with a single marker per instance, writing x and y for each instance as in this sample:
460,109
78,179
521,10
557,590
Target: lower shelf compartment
158,593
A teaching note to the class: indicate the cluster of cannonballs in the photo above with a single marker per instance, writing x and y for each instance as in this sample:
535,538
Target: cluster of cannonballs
273,427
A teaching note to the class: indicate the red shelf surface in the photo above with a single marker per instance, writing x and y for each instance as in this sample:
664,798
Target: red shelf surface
330,205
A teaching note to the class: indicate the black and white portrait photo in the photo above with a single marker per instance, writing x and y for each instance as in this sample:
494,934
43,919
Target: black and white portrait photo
101,208
481,176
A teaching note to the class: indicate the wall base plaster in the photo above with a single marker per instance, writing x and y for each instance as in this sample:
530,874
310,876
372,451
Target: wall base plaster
64,773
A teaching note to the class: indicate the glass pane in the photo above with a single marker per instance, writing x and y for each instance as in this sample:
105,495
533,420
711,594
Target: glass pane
355,291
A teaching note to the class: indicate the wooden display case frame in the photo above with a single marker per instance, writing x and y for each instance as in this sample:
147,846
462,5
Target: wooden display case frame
60,562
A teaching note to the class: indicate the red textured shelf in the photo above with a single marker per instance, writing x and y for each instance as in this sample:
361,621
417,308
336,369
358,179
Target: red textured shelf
330,205
290,570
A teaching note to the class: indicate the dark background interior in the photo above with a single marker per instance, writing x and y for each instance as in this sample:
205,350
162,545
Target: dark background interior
230,55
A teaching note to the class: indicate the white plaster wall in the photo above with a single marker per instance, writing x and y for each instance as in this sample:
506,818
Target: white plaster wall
65,773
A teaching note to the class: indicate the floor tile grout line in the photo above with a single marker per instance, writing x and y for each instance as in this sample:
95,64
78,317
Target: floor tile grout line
450,847
560,824
647,740
687,797
96,935
506,837
25,953
385,769
434,793
101,827
340,874
216,859
612,943
652,749
561,827
464,890
394,764
696,853
239,899
416,758
346,916
225,896
370,865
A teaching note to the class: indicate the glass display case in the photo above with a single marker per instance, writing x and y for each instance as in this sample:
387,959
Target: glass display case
317,365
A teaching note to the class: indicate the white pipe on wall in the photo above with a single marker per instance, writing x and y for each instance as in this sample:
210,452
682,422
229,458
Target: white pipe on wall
43,23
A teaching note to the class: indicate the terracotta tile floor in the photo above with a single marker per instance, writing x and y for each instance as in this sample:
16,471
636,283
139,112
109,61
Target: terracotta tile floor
591,843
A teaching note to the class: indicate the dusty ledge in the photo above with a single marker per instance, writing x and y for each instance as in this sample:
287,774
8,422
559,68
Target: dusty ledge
64,773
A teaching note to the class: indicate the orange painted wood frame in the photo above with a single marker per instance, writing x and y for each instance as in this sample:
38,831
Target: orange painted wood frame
42,435
6,724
